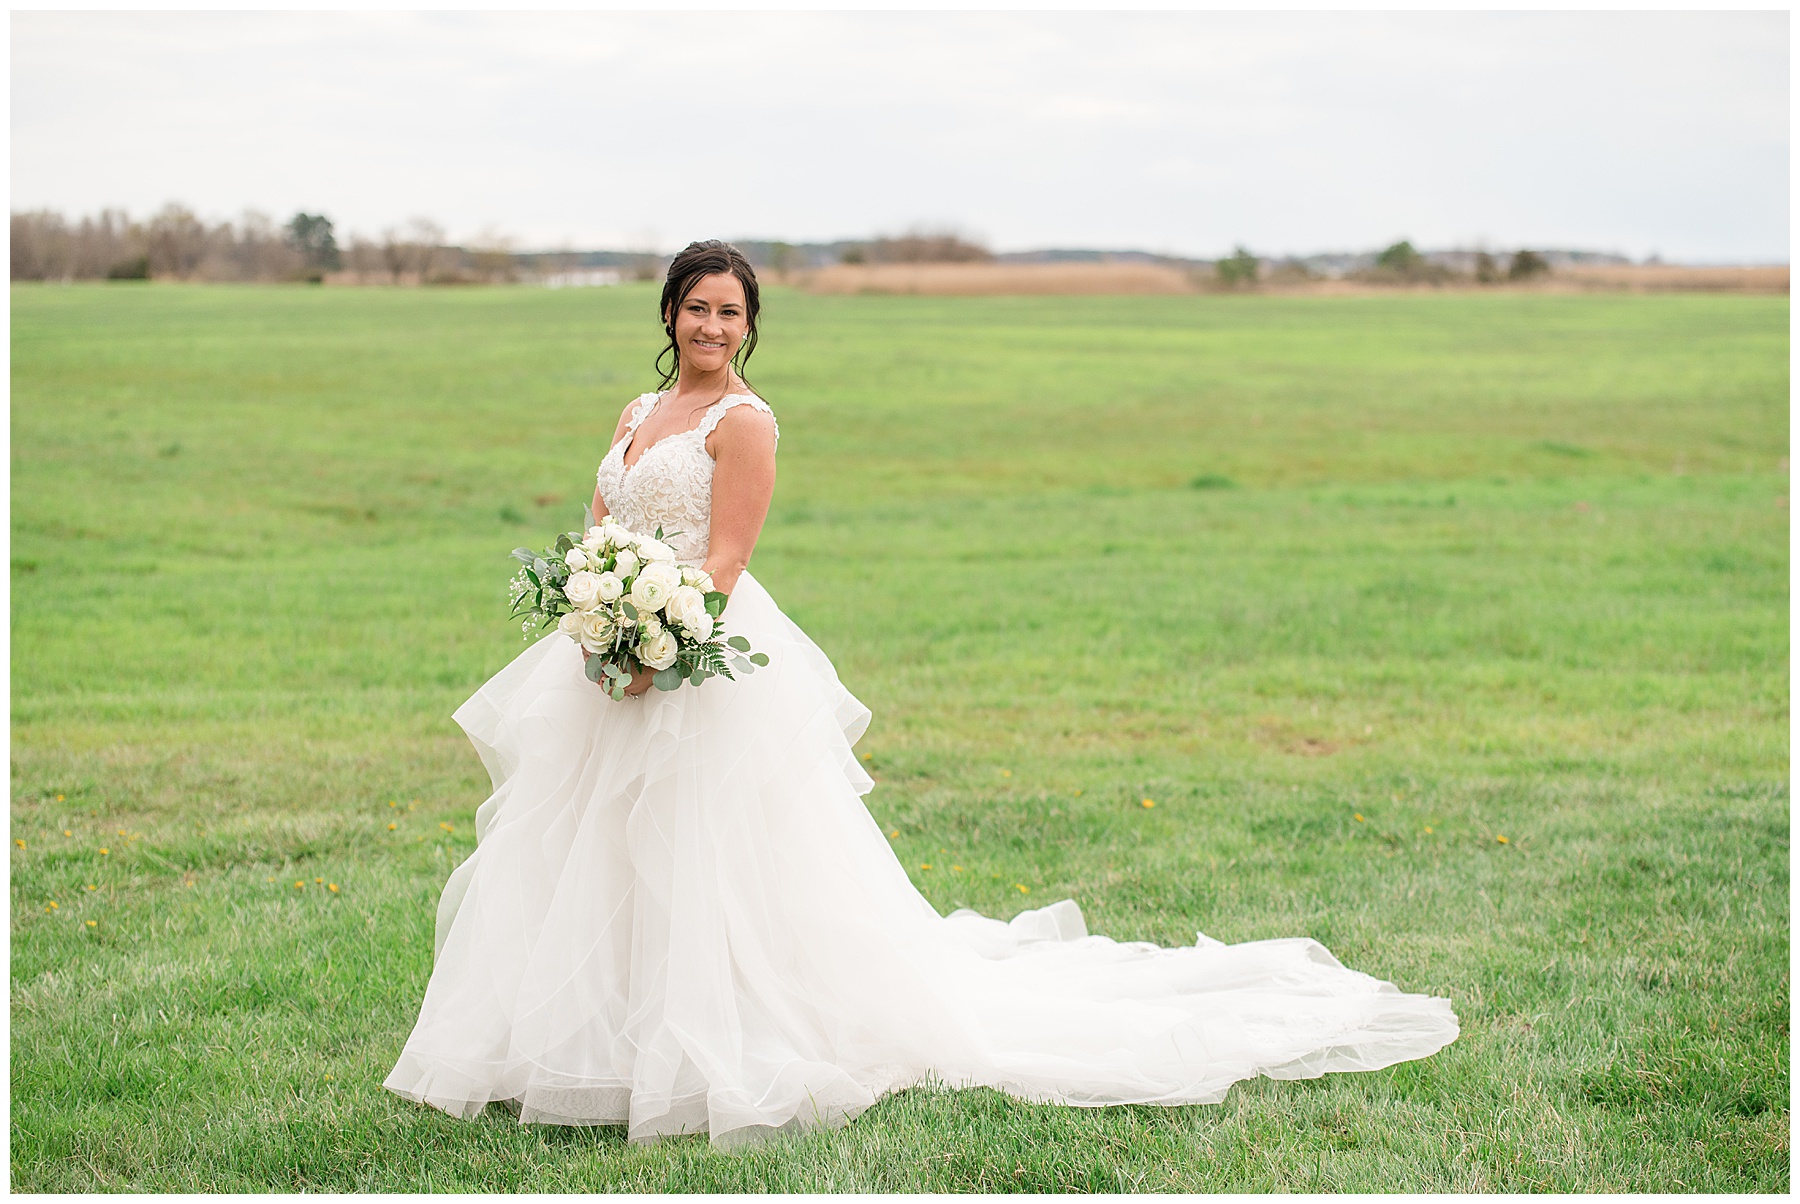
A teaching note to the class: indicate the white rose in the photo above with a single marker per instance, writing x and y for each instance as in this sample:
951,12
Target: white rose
651,590
597,630
655,549
594,538
660,652
610,587
652,627
684,604
582,590
570,625
700,579
627,563
576,559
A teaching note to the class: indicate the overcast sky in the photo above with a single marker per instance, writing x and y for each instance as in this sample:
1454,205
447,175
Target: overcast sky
1175,132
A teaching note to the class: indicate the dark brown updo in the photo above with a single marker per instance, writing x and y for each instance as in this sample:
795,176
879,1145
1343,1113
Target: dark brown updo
697,261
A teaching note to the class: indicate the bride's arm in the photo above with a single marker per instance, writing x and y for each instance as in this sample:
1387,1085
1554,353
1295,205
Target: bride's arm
743,481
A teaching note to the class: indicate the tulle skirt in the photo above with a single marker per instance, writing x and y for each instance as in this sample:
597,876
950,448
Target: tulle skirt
680,917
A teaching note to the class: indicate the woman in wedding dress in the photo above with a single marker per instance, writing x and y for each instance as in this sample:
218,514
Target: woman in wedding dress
679,916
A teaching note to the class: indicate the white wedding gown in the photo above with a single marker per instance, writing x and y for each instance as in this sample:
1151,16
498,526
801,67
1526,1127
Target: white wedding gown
680,917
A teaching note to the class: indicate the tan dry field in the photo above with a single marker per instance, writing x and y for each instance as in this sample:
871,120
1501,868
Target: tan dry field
1121,279
994,279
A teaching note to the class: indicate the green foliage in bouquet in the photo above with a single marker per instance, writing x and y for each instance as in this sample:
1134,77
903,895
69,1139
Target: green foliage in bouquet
624,599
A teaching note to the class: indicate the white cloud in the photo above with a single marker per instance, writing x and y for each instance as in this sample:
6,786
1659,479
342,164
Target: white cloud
1180,131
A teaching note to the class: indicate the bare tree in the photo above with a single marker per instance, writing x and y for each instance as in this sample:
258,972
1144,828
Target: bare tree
923,245
177,242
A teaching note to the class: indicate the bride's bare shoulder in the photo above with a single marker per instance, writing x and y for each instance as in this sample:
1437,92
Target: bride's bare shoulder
746,427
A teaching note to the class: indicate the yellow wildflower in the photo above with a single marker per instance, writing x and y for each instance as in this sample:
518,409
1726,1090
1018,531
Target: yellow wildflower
1149,802
446,827
1502,840
318,879
894,833
91,886
66,832
299,885
1078,793
103,852
20,843
1359,818
1428,829
59,798
1023,889
926,866
332,887
1006,773
956,869
391,827
91,924
54,903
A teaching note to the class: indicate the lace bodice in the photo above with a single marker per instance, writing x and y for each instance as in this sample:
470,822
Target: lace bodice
670,486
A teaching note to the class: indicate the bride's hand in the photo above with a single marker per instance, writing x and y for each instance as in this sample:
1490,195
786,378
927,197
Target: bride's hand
640,680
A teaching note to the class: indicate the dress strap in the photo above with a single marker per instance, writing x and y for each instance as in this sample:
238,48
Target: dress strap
645,404
725,404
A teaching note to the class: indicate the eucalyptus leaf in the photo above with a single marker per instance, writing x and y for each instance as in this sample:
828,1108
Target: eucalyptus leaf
759,658
563,544
630,610
524,554
715,602
742,666
667,679
739,642
595,668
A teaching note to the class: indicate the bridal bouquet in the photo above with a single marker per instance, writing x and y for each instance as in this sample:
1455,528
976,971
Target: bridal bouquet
625,600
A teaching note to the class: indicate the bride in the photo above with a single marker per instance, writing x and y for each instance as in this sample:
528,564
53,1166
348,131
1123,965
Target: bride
680,917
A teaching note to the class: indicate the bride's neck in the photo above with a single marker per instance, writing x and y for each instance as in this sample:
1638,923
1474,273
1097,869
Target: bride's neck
693,384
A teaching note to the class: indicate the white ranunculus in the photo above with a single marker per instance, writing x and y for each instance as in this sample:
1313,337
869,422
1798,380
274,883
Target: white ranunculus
627,563
652,627
597,630
651,590
684,604
570,625
699,628
582,590
656,550
576,559
610,587
660,652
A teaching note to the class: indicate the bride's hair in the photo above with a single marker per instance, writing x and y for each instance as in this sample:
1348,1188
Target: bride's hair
696,261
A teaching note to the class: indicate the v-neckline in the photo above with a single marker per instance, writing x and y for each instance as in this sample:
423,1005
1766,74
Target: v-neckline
631,438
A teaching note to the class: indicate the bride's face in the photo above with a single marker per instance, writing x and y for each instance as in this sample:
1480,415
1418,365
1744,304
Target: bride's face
711,323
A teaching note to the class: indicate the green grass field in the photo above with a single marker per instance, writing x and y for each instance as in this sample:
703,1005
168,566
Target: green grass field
1463,649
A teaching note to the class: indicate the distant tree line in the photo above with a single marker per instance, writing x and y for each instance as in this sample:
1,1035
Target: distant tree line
1400,263
175,244
917,246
